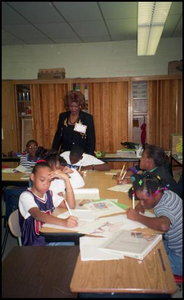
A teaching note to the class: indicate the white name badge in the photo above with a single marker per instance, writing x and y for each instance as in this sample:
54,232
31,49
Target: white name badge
80,128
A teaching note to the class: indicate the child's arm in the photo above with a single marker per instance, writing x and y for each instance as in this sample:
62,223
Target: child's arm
70,198
46,218
161,223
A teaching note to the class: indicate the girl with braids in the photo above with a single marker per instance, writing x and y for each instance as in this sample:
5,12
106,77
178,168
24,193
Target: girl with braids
59,164
168,210
38,202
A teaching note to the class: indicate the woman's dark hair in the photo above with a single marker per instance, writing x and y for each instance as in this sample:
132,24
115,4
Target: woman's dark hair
150,182
74,96
157,154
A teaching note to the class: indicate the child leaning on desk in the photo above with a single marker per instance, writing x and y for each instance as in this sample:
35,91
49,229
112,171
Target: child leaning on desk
38,202
168,209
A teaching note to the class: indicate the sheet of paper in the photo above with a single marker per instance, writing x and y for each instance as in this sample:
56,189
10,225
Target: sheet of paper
121,188
104,208
89,249
84,215
92,193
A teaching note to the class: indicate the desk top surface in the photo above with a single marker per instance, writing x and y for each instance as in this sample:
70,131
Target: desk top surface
39,272
126,275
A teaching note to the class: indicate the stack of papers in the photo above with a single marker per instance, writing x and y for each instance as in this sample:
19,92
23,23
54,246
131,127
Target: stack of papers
92,193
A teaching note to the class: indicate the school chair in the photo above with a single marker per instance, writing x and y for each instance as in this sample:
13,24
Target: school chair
13,223
11,196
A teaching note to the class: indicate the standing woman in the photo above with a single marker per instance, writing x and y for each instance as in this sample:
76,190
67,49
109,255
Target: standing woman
75,127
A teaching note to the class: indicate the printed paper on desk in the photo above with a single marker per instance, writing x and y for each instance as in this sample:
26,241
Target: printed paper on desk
121,188
89,249
80,128
104,208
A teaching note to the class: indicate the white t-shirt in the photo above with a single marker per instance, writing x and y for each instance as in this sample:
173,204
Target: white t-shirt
76,180
26,202
87,160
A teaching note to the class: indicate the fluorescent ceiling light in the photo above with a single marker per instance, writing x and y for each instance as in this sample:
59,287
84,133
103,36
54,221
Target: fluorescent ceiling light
151,20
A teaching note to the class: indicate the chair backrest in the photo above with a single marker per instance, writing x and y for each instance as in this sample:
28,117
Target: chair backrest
13,222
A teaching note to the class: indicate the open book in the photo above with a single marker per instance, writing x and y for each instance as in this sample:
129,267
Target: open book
131,243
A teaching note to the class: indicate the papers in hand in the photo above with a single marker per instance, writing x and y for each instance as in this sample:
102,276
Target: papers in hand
132,244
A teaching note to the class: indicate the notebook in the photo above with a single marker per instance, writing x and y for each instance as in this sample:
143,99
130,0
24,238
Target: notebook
131,243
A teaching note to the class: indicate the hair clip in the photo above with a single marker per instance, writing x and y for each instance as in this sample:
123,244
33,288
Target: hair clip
140,182
133,178
158,177
40,160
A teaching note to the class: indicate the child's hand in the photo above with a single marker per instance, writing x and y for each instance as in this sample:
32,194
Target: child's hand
124,181
58,174
67,170
139,208
71,221
132,214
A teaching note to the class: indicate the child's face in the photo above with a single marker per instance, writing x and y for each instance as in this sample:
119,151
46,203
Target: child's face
31,148
144,160
75,159
41,181
147,201
56,166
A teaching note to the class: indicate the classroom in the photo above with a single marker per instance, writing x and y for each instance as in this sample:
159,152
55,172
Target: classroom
51,48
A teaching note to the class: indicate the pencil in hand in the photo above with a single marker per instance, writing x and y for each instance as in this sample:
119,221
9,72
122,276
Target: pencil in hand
122,171
133,198
67,206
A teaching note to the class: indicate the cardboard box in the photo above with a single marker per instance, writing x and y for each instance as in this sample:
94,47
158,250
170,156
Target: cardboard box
51,73
176,143
175,67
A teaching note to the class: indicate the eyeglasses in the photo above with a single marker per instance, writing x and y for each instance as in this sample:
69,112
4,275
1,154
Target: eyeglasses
32,147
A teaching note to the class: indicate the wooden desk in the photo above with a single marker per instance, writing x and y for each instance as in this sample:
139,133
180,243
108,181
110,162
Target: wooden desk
125,276
14,179
39,272
97,179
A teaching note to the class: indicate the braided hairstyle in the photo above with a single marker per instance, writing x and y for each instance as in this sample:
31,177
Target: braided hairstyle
149,182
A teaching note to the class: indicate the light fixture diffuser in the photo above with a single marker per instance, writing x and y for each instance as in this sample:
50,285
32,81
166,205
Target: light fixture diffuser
151,20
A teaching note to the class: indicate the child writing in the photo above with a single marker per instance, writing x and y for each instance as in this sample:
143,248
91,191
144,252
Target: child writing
38,202
153,160
168,209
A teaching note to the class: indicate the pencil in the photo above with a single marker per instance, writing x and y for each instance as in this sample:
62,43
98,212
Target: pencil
123,175
133,198
68,208
122,170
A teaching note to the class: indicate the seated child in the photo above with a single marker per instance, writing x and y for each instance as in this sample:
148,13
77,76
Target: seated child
81,161
168,209
57,162
38,202
29,160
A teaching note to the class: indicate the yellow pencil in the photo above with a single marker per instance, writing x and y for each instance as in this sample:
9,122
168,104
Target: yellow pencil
68,207
122,170
133,198
123,175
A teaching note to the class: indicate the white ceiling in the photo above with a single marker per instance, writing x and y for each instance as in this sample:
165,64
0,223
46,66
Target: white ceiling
28,23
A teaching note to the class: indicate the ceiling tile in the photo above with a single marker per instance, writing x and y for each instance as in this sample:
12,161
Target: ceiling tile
67,40
122,29
23,31
38,12
57,30
119,10
79,11
90,29
10,16
170,26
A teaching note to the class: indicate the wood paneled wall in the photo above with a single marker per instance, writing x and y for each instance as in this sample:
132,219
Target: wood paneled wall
47,104
164,111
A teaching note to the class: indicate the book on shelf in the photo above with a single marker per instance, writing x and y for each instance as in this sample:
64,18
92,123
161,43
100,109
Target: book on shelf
132,243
